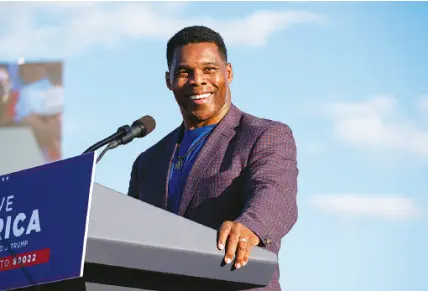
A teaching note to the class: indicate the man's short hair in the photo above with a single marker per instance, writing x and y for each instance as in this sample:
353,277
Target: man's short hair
195,34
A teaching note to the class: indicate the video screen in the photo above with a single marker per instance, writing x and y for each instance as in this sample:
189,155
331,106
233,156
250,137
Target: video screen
32,95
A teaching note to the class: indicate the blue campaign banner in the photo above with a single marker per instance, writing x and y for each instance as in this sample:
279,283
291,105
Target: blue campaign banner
44,215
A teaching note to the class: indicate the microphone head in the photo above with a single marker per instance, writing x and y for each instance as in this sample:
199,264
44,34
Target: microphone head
148,123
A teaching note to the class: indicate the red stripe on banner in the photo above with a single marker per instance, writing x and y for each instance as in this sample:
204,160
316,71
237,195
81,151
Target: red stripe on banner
25,260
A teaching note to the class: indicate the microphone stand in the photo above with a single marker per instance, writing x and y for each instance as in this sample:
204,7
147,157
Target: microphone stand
107,148
121,131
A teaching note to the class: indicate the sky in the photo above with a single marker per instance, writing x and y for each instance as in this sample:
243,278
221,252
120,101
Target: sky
350,79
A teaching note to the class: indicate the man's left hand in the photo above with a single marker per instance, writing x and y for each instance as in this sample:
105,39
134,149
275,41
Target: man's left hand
238,240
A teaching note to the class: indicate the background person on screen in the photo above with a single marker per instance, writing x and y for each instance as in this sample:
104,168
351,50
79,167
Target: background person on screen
221,167
40,105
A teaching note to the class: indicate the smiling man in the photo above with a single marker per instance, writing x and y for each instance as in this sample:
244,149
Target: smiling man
221,167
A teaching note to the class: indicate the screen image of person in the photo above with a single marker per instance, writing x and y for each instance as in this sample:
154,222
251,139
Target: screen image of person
40,105
221,167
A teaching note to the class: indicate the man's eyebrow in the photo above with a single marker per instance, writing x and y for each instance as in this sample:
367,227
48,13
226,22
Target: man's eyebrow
188,67
182,67
209,63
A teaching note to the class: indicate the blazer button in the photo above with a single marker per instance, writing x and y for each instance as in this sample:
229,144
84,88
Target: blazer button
267,241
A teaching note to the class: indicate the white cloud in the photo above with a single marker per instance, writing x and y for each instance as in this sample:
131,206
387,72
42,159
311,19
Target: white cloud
422,104
378,124
61,29
379,206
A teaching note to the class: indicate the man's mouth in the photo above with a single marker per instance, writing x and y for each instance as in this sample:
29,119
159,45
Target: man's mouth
200,99
200,96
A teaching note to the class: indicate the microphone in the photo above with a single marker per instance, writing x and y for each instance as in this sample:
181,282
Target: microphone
124,135
139,128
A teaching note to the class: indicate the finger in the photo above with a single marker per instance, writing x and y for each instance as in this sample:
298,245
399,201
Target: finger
254,240
232,244
241,252
223,234
247,256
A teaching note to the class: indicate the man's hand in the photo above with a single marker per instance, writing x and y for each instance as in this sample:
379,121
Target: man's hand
238,240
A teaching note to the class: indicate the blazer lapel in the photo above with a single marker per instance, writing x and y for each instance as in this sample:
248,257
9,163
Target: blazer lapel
216,142
157,193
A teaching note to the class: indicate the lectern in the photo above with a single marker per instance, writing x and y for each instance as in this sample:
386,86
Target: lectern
132,245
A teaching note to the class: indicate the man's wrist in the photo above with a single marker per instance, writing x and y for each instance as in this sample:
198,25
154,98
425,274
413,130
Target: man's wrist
257,227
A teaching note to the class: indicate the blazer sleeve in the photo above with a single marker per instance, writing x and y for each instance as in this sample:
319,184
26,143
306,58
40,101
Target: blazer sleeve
271,186
133,181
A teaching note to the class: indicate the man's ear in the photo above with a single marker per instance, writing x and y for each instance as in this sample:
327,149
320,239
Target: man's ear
229,72
167,80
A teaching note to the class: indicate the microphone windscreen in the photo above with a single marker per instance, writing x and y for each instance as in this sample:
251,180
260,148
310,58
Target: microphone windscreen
148,122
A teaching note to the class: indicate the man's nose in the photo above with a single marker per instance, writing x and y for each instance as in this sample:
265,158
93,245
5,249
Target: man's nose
197,78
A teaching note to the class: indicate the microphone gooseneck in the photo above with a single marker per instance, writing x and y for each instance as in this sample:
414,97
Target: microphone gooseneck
124,135
120,131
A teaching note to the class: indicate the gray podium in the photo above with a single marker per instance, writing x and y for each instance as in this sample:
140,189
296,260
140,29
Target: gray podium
135,246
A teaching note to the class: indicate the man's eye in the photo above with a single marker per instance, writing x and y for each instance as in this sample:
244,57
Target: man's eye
210,69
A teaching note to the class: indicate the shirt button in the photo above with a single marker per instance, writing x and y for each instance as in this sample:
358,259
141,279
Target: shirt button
267,241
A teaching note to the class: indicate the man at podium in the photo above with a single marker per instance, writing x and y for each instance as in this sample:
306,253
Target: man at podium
222,167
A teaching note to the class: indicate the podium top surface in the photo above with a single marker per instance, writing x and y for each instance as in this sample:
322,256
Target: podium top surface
128,233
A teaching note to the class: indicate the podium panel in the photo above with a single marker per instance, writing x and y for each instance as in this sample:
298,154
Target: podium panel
44,213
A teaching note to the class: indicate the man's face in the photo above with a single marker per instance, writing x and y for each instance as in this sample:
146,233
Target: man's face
199,79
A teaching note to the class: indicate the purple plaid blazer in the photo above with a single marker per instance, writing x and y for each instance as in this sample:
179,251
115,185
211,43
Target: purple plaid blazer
246,172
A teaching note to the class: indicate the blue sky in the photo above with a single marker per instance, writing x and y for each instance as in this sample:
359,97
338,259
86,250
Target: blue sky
349,78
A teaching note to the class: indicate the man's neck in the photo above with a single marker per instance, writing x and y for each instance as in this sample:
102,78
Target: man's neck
190,125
